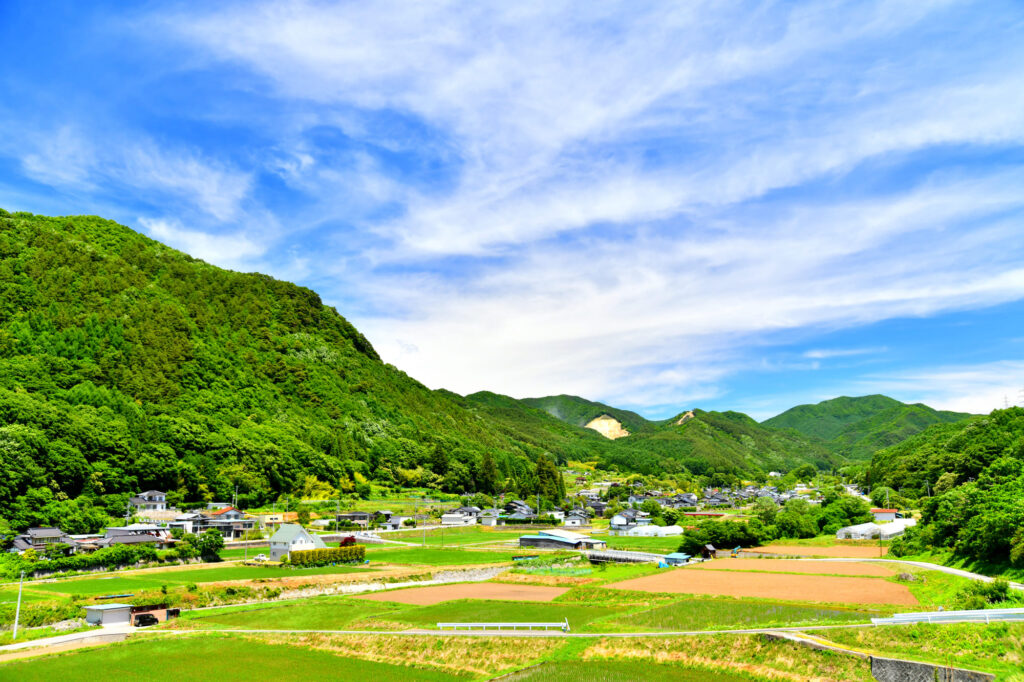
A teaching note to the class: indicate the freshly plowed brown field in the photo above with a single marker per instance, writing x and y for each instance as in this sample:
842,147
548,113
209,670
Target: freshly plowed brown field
848,551
809,566
819,588
435,594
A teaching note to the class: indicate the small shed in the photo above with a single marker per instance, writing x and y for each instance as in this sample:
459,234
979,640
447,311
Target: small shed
709,552
677,559
108,614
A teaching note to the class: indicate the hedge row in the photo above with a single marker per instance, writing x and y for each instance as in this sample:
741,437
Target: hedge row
334,555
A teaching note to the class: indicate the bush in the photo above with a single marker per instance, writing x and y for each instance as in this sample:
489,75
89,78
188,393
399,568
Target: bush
332,555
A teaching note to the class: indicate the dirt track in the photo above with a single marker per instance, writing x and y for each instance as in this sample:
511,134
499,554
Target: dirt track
838,590
794,566
851,551
424,596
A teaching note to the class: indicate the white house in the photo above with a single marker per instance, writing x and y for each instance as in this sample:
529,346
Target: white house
456,518
151,500
291,537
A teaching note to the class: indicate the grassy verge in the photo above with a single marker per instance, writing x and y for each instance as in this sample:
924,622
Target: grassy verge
996,648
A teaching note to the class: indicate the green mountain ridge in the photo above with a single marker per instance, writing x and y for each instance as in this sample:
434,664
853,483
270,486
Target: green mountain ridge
856,428
710,442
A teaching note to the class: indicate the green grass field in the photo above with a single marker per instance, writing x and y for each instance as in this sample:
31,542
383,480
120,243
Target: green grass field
435,556
321,613
656,545
724,614
208,657
464,535
135,581
337,613
242,552
620,671
479,611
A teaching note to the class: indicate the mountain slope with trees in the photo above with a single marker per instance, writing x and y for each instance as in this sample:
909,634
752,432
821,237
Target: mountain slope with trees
857,427
967,479
126,365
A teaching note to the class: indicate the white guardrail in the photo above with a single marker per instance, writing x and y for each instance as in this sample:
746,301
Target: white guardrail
563,626
973,616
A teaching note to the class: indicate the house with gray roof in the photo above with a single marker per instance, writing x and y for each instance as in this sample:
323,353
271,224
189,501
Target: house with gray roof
291,537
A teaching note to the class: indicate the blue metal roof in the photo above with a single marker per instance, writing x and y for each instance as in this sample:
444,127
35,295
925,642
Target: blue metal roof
678,555
549,537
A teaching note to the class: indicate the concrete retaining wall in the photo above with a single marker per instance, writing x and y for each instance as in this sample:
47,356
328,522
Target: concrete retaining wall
895,670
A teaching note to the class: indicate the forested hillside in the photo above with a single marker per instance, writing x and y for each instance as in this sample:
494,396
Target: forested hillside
856,427
579,411
126,365
968,480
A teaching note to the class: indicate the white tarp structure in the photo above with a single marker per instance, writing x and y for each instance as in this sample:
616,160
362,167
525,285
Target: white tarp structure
895,528
863,531
652,531
870,531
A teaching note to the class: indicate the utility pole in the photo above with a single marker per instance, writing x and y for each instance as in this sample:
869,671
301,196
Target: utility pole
17,611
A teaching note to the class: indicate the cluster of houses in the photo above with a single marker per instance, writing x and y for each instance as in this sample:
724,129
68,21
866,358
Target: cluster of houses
725,497
514,512
158,532
41,539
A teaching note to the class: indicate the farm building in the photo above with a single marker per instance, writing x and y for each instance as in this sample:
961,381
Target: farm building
560,539
652,531
885,515
677,559
108,614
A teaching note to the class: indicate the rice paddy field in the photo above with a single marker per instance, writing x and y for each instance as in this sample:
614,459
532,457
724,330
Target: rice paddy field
357,636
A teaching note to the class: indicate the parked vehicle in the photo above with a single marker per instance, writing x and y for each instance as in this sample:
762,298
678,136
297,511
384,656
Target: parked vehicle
145,619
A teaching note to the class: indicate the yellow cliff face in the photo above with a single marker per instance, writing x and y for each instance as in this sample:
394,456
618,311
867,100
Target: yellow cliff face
607,426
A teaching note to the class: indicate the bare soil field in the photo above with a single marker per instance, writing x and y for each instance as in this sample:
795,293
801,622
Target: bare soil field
795,566
847,551
817,588
435,594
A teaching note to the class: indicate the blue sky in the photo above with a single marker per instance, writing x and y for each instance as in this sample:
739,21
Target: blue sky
726,205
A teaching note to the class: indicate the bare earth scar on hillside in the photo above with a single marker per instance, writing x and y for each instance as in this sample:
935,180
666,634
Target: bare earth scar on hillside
774,586
424,596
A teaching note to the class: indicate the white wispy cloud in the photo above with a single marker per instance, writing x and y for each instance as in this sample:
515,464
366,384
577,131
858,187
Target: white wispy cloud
619,200
236,251
977,389
72,158
828,353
